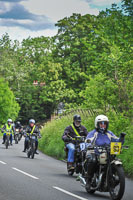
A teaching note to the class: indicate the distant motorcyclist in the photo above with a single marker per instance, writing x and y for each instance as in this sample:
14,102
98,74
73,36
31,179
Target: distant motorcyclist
100,136
8,127
18,125
70,132
30,129
20,128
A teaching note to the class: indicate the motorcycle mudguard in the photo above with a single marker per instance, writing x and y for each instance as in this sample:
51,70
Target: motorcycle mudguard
116,162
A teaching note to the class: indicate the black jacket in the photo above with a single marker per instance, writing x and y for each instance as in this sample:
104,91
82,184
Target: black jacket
28,130
82,131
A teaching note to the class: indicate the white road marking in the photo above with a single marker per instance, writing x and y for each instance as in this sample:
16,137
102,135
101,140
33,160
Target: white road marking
69,193
2,162
34,177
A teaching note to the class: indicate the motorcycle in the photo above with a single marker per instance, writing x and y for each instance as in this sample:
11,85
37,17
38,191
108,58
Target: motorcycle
109,174
16,136
31,146
78,155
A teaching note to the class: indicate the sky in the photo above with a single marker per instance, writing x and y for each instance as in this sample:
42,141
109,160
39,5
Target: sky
34,18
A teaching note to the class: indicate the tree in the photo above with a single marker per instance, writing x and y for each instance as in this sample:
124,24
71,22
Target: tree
9,108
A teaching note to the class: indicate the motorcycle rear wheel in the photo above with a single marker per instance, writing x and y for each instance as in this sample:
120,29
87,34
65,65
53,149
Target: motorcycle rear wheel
116,180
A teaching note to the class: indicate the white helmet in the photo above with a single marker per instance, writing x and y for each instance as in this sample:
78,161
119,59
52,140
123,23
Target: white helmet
31,121
101,118
9,120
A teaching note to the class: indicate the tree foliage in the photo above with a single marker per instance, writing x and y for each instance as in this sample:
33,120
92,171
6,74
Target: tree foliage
8,106
88,63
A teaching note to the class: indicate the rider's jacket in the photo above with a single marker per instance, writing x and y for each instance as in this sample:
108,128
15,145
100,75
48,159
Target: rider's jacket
72,131
100,139
30,130
8,128
18,126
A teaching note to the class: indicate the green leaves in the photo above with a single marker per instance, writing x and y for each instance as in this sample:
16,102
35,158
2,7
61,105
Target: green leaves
9,108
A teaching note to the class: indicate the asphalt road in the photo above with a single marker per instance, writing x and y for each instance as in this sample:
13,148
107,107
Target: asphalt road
42,178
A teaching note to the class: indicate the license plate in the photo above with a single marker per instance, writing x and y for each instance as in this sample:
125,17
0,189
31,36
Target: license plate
115,148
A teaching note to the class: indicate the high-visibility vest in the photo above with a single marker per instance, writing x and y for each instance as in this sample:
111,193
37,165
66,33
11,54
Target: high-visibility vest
75,130
9,128
33,130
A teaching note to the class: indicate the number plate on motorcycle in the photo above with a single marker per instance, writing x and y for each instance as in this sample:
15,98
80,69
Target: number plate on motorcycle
115,148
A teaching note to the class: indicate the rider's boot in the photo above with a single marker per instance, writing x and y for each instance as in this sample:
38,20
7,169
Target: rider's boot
70,165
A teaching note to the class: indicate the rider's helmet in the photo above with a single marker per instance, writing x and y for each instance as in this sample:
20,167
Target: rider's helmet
18,123
77,120
9,121
101,119
31,121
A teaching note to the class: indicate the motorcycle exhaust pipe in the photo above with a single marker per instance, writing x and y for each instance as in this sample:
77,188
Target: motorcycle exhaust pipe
82,180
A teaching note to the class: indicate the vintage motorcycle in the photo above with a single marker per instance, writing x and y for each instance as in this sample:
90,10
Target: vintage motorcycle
78,155
16,136
31,146
109,174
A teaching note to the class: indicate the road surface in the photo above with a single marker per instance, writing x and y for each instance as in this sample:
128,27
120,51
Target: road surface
42,178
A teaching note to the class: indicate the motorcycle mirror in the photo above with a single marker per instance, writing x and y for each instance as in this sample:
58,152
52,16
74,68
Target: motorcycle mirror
122,135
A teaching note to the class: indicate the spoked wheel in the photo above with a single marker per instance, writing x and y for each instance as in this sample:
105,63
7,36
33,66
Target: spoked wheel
88,187
33,150
7,142
116,182
16,139
28,153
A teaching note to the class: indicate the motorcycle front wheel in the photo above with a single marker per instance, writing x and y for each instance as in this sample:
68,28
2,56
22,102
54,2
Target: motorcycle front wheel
16,139
7,142
116,182
33,150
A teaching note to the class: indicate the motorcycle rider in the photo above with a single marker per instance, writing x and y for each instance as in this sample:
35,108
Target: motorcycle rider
75,129
100,136
20,127
8,127
30,129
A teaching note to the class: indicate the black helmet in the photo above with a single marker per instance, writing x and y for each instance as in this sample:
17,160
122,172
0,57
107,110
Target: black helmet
18,122
31,121
77,118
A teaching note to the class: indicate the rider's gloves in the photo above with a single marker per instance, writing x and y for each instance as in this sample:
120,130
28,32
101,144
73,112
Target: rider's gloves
67,139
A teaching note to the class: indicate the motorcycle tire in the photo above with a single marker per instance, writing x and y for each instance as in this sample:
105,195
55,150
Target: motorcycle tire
33,151
7,144
88,189
28,153
118,178
16,140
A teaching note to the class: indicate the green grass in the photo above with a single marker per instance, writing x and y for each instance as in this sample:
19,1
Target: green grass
51,142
